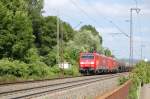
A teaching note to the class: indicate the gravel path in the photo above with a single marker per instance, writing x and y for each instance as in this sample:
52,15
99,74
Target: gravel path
145,92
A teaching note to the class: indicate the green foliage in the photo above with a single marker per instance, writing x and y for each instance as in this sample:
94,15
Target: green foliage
15,30
122,80
35,7
86,41
72,71
15,68
67,30
50,58
8,78
38,69
28,41
21,69
107,52
93,31
142,72
89,28
48,38
55,69
35,11
32,56
139,75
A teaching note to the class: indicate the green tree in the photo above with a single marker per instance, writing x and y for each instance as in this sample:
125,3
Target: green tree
48,38
35,11
93,30
15,29
83,41
49,33
90,28
107,52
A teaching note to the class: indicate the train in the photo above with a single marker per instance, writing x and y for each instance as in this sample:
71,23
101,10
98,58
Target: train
95,63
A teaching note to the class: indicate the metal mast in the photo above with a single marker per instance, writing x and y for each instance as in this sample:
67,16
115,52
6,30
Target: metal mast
58,60
131,34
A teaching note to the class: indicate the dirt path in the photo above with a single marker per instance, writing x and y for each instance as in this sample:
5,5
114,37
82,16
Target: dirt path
145,92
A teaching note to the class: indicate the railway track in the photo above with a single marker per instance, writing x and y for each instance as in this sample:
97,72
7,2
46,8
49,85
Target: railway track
35,89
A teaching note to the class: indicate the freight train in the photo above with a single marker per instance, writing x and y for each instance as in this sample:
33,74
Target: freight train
95,63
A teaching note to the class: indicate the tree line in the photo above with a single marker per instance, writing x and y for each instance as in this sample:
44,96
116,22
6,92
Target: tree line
28,40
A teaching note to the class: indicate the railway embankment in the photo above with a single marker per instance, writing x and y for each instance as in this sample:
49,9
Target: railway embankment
85,91
71,88
121,91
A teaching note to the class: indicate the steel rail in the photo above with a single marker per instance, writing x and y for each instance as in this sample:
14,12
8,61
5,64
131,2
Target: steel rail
68,84
23,89
32,81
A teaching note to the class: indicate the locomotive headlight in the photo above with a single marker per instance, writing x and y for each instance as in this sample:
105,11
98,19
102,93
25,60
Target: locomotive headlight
81,62
92,62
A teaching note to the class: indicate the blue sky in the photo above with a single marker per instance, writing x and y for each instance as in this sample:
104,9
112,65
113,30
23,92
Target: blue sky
99,13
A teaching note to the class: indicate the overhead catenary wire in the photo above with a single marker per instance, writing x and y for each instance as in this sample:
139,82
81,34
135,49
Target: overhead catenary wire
64,15
85,13
78,22
110,21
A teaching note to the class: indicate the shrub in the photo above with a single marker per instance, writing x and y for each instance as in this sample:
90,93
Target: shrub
50,58
23,70
32,56
122,80
15,68
72,71
39,69
55,69
139,75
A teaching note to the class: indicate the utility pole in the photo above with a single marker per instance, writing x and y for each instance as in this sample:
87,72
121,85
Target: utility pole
62,48
142,46
58,59
141,51
131,34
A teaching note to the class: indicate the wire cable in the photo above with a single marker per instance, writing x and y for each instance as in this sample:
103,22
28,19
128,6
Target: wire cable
85,13
110,21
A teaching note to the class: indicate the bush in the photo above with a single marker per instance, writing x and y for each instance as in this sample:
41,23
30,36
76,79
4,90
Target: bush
55,69
11,70
72,71
39,69
15,68
50,58
122,80
23,70
139,75
32,56
8,78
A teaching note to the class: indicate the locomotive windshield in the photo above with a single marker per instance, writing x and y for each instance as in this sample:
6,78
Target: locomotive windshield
87,57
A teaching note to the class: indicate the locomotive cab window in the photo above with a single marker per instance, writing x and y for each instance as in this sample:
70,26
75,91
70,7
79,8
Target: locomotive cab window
87,57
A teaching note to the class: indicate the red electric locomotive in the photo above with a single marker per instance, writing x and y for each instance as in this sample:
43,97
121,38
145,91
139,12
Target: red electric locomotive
91,63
